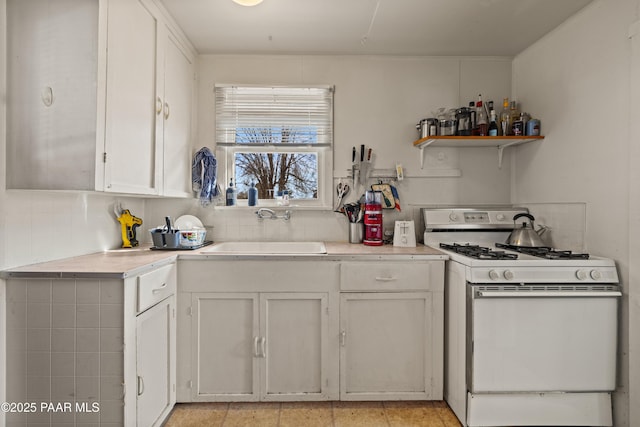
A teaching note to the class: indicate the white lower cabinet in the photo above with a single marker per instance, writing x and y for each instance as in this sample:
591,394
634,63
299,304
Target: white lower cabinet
385,350
155,364
260,346
112,348
150,365
391,331
293,330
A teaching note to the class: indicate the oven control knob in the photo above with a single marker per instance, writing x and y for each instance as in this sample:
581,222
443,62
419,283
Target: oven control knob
595,274
453,216
494,275
508,274
500,217
581,275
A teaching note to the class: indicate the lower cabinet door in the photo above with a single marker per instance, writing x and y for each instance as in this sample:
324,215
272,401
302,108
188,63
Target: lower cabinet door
294,347
225,330
385,346
155,360
260,346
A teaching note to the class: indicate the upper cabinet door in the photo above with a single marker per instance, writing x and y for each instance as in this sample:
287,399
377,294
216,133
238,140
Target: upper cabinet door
53,59
133,102
179,82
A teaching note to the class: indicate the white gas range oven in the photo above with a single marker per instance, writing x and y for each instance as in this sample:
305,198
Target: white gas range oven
530,333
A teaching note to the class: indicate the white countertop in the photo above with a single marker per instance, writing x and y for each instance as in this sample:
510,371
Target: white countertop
122,263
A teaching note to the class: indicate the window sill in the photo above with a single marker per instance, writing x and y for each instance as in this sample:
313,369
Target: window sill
293,207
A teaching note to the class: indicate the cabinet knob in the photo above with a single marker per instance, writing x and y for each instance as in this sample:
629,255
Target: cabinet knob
166,110
140,385
47,96
158,105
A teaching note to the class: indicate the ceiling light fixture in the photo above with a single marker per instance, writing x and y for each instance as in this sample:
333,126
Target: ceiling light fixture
248,2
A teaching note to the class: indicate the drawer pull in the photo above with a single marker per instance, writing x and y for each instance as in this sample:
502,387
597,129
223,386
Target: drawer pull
343,338
256,351
160,289
386,279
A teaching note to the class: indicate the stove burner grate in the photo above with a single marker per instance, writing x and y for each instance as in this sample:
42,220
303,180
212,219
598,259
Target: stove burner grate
476,251
544,252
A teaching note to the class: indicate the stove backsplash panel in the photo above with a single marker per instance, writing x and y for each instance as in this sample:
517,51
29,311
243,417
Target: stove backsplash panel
566,224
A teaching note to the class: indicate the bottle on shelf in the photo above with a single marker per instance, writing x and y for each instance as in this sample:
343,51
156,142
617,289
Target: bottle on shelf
474,118
253,195
505,122
493,126
231,195
514,116
481,116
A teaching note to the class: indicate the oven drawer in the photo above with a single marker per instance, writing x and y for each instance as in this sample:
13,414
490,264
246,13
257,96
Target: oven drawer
155,286
541,340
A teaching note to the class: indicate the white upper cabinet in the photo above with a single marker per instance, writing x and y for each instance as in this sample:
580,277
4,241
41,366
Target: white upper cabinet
100,97
130,132
179,86
53,62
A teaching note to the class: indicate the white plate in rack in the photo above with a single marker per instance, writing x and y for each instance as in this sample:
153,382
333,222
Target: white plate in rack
187,222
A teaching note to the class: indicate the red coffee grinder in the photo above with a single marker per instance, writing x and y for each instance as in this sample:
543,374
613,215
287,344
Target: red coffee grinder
373,218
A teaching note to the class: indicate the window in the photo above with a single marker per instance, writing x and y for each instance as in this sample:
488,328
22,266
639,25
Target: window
278,138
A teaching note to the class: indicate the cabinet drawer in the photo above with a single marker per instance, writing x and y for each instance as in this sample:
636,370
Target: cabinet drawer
383,276
156,285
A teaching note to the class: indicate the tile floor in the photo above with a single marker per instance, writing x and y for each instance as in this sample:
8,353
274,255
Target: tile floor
312,414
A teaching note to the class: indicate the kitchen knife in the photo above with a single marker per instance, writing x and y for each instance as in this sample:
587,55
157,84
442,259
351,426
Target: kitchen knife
363,166
353,166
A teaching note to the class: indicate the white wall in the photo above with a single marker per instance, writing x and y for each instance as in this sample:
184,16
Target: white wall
378,101
577,78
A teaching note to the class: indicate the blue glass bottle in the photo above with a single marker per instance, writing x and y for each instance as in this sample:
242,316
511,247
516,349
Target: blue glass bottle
231,194
253,195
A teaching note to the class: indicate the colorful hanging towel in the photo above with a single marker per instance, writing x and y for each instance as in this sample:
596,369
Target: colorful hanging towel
396,198
203,176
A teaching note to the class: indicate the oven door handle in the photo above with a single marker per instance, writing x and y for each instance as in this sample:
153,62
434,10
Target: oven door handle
547,294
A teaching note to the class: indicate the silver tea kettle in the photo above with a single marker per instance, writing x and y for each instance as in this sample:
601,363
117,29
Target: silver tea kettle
525,236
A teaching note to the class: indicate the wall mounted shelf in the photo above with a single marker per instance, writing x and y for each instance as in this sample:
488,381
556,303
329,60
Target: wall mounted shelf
500,142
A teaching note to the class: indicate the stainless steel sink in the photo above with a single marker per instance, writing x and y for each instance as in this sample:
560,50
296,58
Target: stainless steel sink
268,248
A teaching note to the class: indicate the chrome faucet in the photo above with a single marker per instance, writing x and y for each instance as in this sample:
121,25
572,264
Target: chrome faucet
263,213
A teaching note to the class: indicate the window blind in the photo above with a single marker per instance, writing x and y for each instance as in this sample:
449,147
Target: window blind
274,115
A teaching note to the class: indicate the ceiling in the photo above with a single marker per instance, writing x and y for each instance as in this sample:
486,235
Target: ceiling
370,27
